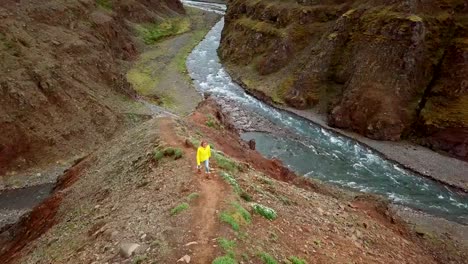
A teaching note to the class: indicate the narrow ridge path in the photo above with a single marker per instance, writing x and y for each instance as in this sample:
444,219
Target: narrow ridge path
205,219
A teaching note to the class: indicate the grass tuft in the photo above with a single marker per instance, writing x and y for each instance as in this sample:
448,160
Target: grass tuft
224,162
169,151
246,196
160,153
105,4
179,208
267,258
224,260
296,260
264,211
233,182
229,219
211,122
192,196
245,214
178,153
227,246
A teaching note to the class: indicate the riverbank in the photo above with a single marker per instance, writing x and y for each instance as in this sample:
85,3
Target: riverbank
444,169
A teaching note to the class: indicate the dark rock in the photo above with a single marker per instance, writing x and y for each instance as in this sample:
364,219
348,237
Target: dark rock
252,144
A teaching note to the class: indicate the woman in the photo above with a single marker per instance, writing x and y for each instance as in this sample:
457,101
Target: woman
203,155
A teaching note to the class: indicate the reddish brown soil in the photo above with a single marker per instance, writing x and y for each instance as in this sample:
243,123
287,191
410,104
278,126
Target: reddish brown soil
30,227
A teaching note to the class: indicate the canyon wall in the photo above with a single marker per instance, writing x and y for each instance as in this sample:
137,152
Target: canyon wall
62,73
386,69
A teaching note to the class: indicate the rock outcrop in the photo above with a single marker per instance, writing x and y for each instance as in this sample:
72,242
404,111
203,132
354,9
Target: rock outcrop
62,80
386,69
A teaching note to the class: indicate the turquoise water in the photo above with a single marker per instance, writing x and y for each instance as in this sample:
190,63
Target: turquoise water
320,154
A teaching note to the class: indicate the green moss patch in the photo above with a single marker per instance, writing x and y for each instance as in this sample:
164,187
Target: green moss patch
152,33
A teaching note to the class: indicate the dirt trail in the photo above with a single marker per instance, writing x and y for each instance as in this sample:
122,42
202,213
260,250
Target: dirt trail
211,194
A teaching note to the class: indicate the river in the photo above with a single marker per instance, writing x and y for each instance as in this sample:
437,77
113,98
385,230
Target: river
315,152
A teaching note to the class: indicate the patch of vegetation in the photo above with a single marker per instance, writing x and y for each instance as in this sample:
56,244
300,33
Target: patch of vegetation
212,122
195,142
246,196
285,200
178,153
142,80
105,4
231,180
192,196
179,208
245,214
224,260
160,153
236,216
166,100
267,258
260,26
140,259
152,33
296,260
6,43
227,246
229,219
224,162
273,236
266,180
264,211
415,18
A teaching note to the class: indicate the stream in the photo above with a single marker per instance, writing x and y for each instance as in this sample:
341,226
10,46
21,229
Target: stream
315,152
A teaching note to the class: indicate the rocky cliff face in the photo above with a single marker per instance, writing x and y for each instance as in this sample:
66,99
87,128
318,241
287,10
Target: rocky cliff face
61,72
386,69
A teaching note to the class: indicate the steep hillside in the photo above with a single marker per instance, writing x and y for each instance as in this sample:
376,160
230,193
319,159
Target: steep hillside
141,201
386,69
63,87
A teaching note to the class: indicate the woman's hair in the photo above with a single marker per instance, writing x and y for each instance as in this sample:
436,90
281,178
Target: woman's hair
202,142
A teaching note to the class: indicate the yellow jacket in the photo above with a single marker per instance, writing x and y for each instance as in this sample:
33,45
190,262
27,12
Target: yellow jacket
203,154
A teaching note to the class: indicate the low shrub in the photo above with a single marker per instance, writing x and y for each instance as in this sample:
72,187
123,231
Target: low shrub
264,211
